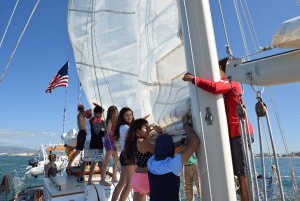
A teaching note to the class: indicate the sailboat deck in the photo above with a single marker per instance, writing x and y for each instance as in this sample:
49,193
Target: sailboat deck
67,187
63,185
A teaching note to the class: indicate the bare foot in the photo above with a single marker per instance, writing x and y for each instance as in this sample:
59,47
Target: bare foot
104,183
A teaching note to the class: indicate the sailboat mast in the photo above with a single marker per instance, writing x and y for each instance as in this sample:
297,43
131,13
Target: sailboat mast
214,156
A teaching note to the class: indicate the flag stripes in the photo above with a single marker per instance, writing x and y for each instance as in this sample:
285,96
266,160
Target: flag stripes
60,79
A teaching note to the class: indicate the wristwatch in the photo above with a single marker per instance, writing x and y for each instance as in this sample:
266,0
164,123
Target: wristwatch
182,140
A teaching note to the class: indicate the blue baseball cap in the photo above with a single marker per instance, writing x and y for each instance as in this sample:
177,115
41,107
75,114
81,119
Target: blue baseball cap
164,147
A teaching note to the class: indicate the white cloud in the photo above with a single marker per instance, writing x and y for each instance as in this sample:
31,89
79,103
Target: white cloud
7,133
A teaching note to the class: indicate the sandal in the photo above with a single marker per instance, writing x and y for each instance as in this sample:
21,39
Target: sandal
68,171
80,180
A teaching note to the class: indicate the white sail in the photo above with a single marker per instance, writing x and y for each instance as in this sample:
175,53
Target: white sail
287,35
104,38
131,50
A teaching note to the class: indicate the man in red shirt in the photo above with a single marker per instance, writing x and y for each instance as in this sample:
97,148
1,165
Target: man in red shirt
231,101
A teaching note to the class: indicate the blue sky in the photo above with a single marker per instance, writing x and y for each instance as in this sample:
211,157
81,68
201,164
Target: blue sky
29,116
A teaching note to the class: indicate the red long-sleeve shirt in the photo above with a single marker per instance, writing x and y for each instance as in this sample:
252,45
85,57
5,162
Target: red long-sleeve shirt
231,101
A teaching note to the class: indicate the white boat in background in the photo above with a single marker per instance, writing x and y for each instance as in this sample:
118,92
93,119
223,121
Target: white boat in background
37,167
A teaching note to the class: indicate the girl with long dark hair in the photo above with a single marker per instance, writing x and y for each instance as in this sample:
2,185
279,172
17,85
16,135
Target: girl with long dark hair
139,148
110,145
127,168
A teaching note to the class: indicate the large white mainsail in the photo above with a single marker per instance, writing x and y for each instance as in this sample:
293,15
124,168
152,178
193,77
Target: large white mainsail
104,38
131,50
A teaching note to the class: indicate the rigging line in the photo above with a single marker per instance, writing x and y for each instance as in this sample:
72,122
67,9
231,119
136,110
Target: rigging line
65,107
19,40
92,44
282,135
93,13
278,120
88,56
252,24
79,92
81,57
241,27
249,27
298,3
262,120
9,22
200,113
103,71
224,27
93,80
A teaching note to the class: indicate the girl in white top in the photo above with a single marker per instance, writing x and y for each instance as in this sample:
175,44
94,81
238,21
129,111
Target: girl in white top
127,167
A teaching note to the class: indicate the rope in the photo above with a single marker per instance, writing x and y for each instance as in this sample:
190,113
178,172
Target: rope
295,188
298,3
19,41
92,44
64,120
103,73
249,27
79,92
200,113
252,24
241,27
65,108
274,153
251,150
89,57
224,27
9,22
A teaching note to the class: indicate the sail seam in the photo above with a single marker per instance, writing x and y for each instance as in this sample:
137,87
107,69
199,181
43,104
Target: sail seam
99,11
109,69
163,103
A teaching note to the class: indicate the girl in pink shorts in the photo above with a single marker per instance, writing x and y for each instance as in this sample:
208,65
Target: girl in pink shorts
137,146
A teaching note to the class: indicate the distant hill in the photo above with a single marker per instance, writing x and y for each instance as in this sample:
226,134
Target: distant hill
17,150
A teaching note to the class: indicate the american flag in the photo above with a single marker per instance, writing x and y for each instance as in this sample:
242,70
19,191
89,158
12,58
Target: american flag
60,79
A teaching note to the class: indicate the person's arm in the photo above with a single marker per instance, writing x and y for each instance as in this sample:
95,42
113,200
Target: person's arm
220,87
95,104
146,117
193,142
109,128
146,145
178,146
47,169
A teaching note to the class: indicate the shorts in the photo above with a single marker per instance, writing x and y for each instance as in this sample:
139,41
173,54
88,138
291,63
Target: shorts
109,143
237,155
140,183
97,155
87,152
123,162
81,140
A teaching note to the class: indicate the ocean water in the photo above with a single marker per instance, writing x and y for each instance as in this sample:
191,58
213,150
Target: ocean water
18,164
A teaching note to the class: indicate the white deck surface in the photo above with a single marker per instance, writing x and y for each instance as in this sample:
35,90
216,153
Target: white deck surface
71,189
